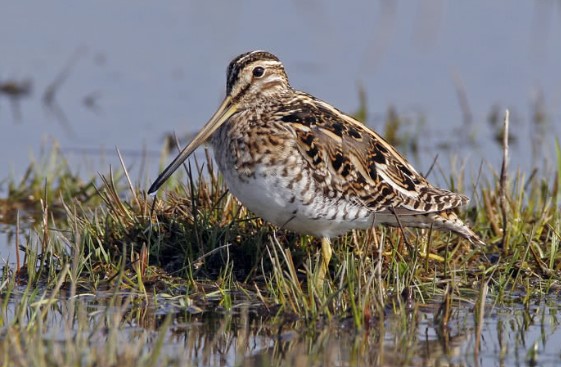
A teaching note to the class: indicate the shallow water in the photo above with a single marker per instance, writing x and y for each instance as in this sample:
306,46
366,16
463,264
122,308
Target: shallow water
510,336
122,74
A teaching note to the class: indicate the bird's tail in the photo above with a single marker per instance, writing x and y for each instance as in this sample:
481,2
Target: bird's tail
445,220
450,221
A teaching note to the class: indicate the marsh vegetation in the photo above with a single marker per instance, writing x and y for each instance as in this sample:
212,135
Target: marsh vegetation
104,275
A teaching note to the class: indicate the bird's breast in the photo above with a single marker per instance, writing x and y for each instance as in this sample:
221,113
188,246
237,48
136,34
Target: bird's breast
266,172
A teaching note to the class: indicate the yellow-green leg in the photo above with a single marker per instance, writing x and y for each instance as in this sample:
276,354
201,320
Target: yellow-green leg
326,252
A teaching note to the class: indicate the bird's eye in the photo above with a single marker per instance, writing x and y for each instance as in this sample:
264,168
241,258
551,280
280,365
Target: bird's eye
258,72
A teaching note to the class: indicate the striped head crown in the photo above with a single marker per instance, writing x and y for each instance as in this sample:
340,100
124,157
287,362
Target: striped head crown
255,72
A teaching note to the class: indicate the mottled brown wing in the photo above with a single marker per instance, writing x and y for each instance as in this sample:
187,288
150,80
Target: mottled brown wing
350,159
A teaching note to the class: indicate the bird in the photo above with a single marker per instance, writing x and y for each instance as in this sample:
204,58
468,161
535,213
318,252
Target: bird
303,165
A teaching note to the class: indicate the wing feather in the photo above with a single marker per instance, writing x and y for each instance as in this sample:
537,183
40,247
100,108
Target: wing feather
353,160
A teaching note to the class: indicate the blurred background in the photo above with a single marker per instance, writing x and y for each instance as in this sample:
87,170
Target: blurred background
434,77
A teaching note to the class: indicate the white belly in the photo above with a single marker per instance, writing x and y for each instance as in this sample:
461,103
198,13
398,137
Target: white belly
298,207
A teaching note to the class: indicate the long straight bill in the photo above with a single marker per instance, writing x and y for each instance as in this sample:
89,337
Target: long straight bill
224,112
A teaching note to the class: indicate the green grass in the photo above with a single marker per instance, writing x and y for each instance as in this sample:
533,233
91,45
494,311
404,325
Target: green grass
197,233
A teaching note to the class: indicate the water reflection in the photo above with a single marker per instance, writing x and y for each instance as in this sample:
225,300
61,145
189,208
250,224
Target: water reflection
244,336
14,91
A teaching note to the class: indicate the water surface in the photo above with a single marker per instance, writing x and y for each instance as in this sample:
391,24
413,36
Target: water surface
510,336
122,74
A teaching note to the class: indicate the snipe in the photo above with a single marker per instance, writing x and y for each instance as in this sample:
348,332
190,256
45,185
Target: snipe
301,164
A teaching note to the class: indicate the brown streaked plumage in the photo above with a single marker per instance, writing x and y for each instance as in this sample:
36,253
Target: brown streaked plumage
301,164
